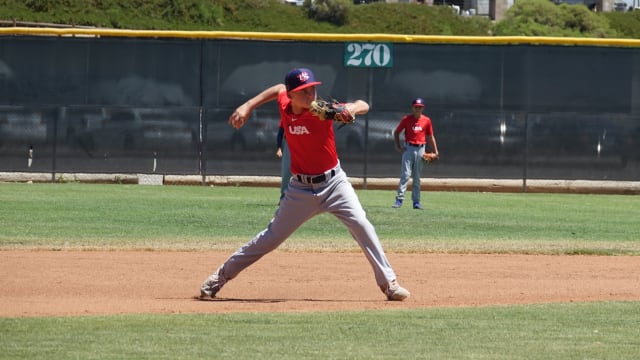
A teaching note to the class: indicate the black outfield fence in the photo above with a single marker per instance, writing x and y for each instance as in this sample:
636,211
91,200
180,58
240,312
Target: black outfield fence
102,101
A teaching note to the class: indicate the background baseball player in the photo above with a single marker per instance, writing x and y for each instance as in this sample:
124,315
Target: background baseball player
318,183
418,131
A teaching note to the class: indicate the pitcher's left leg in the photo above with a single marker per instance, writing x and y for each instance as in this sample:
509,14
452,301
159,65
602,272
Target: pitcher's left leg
343,202
354,217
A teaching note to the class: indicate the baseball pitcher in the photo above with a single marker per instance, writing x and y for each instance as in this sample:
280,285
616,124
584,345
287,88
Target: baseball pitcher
318,183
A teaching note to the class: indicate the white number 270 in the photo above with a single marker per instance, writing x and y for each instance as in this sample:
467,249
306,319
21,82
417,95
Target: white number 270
368,55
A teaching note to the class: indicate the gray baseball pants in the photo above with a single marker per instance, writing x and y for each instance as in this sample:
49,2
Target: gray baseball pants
301,202
411,169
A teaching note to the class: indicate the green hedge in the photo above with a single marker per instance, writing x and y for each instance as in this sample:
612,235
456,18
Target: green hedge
526,17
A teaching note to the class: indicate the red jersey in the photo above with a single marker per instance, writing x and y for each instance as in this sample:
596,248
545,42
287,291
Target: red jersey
311,141
415,130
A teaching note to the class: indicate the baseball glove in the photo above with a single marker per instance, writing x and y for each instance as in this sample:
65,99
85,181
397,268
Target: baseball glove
429,157
332,110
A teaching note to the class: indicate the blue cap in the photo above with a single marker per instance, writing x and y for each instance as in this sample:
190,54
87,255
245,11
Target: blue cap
298,79
417,102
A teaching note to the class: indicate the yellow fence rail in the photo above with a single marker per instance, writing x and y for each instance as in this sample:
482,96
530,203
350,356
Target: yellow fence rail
277,36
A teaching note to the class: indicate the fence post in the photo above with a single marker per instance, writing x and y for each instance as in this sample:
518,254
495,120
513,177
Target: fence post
525,155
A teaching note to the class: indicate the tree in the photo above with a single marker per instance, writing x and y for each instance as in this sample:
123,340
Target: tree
544,18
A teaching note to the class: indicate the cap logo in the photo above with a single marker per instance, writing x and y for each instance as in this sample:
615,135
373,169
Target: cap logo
303,76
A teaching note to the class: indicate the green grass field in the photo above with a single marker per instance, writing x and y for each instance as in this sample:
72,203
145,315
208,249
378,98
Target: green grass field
562,331
54,216
70,216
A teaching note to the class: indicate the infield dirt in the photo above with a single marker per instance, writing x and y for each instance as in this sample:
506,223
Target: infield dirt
70,283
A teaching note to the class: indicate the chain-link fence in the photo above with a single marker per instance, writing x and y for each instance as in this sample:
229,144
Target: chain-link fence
160,105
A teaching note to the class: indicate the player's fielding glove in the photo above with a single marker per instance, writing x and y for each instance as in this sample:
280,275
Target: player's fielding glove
332,110
430,157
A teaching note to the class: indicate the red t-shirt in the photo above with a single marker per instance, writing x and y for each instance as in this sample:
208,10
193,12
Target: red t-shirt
311,141
415,130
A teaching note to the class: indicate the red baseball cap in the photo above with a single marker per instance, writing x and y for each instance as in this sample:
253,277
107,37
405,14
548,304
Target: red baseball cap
417,102
298,79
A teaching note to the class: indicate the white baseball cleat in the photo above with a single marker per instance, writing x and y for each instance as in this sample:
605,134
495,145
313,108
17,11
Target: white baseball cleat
394,291
212,285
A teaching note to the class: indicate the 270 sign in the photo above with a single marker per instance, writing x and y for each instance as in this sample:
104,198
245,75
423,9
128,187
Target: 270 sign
368,55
